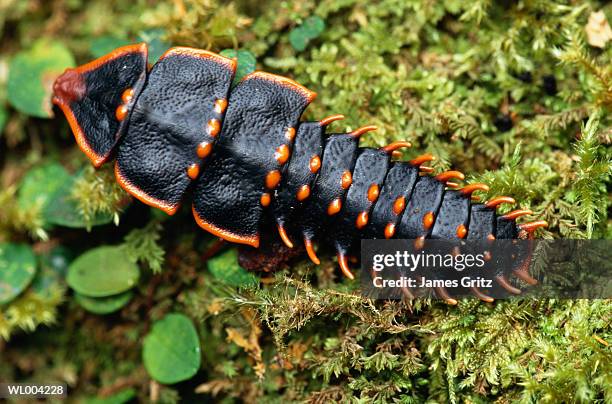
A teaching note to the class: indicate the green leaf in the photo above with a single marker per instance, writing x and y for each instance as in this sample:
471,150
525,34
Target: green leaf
40,184
121,397
104,305
156,43
298,39
53,266
225,268
103,271
3,118
106,44
62,209
246,62
311,28
17,269
171,351
31,76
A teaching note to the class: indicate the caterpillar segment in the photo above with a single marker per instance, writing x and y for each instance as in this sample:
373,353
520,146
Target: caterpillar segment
249,163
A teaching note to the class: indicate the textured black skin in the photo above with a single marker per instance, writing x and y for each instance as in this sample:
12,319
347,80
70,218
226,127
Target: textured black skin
399,181
339,156
505,229
171,115
426,197
454,211
309,141
168,122
370,168
96,112
228,192
482,222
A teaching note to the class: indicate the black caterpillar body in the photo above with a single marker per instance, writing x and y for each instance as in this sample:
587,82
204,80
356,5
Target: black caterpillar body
246,156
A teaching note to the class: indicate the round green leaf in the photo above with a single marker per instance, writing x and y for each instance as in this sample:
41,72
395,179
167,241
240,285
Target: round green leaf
225,268
17,269
246,62
157,45
31,76
103,271
298,39
313,26
40,184
62,210
171,351
51,273
106,44
104,305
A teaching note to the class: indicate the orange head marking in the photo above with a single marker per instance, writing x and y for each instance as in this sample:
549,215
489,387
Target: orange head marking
399,205
315,164
204,149
390,148
213,127
495,202
69,87
272,179
360,131
265,199
220,106
362,220
121,112
193,171
389,230
327,120
461,231
303,193
334,207
347,179
428,220
447,175
373,193
282,154
467,190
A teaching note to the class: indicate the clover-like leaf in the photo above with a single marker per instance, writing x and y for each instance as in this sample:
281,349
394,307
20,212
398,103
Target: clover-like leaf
17,269
311,28
31,76
103,271
171,351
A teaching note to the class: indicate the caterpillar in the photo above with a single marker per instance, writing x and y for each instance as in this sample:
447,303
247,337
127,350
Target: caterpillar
249,162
